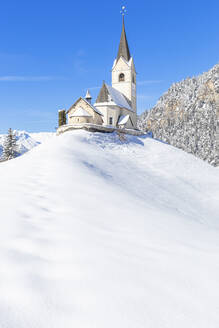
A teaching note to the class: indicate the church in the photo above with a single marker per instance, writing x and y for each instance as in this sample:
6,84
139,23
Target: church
115,106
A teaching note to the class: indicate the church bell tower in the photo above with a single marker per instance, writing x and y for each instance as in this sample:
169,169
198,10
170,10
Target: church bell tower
123,71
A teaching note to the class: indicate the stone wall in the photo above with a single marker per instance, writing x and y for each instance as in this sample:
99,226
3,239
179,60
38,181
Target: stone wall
97,128
80,119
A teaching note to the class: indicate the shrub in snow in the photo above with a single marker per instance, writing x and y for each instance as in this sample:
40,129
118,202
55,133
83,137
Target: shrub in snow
121,135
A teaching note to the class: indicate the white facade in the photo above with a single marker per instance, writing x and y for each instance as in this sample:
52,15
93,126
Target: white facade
112,114
127,84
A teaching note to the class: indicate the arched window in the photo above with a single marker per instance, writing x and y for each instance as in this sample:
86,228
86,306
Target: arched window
121,77
133,79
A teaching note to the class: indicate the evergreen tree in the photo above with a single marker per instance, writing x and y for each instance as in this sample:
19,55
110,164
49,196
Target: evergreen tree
10,146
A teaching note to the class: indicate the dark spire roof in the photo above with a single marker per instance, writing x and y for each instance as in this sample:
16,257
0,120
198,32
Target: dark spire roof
103,95
123,46
88,96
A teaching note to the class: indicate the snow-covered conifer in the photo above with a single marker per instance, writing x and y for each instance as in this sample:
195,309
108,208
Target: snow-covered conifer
186,116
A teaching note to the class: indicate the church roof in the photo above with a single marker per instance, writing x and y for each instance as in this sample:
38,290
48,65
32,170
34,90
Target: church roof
94,108
123,46
109,94
87,102
81,112
103,94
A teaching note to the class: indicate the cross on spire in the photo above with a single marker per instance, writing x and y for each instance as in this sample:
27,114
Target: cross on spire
123,11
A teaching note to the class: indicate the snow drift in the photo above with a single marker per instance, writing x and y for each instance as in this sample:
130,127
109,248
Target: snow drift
98,233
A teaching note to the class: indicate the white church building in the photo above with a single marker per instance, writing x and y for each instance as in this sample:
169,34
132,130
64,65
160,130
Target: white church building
115,106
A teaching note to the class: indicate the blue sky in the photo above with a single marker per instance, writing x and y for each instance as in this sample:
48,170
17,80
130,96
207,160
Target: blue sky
52,51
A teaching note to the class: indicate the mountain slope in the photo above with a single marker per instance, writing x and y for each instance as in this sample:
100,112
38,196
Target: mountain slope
187,116
96,233
26,141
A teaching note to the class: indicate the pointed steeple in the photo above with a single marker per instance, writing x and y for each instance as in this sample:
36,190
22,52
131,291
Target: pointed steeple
103,95
123,46
88,96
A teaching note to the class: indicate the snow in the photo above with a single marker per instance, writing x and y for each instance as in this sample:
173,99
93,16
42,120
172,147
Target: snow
123,119
100,233
118,98
42,136
80,112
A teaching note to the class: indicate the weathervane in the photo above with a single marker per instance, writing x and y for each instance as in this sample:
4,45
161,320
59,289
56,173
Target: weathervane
123,11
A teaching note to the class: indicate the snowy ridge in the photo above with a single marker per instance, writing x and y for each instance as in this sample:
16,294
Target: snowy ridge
26,141
187,116
108,234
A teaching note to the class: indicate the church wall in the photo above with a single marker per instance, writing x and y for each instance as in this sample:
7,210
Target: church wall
108,112
134,119
115,113
80,120
129,125
97,119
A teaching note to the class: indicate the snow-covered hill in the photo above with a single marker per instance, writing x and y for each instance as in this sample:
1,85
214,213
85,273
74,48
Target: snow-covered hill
26,141
187,116
96,233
